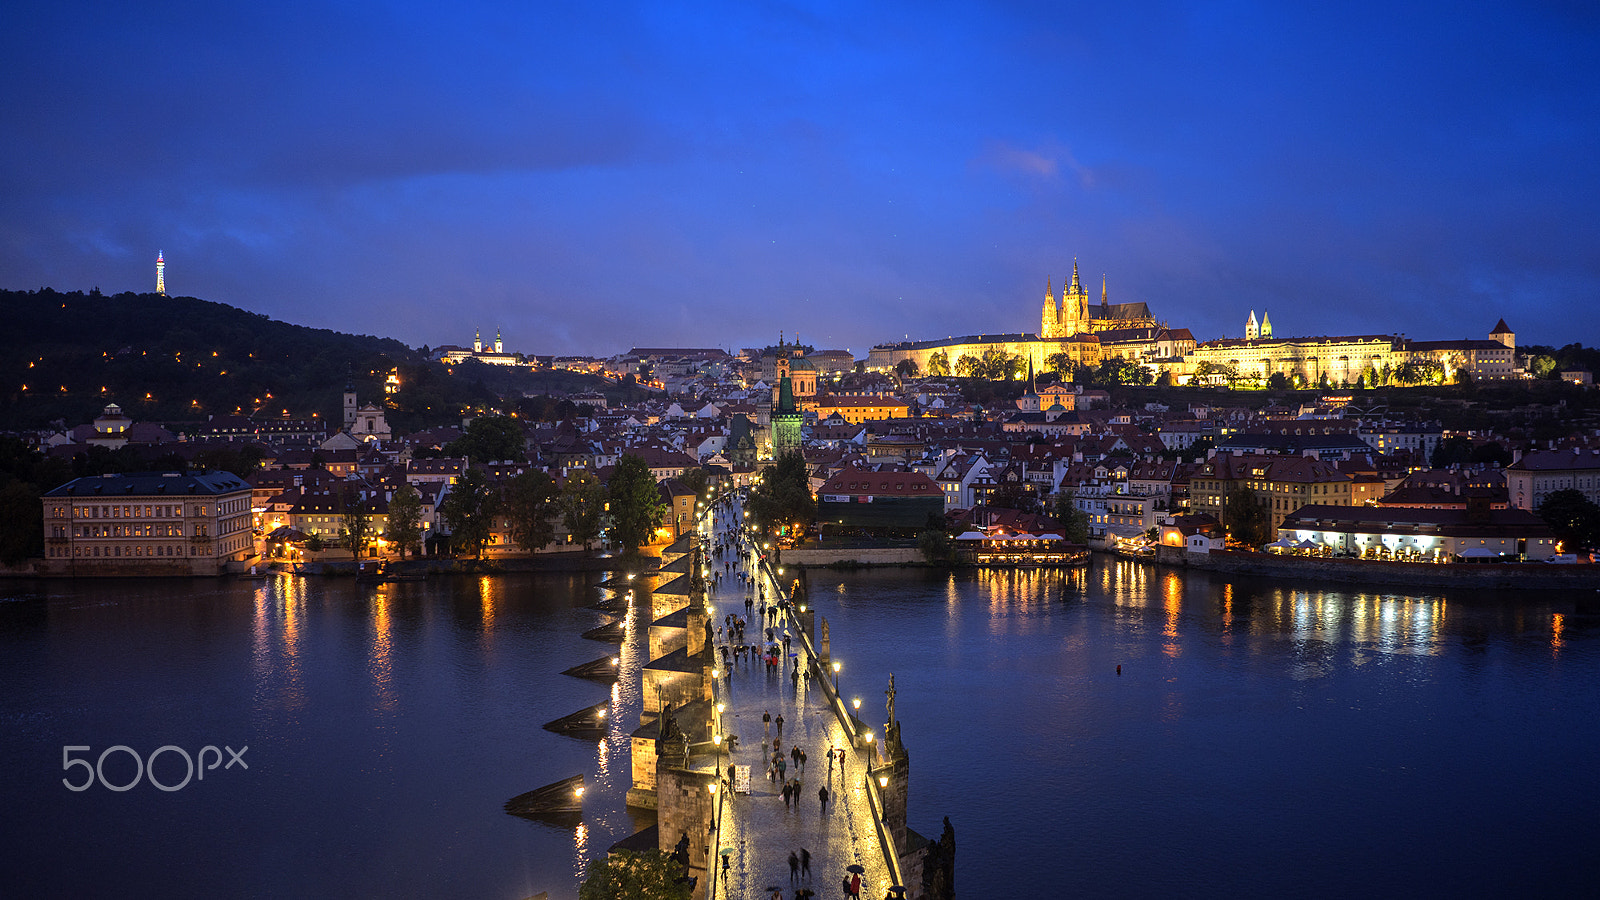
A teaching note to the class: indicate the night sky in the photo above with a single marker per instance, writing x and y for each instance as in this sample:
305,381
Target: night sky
594,176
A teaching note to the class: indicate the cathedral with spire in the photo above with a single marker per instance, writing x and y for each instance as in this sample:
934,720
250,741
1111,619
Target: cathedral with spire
1072,327
1073,314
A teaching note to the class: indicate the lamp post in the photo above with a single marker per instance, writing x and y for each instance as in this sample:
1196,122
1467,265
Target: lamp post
871,751
836,677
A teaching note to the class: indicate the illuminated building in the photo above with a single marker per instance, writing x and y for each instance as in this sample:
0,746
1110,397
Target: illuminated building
449,354
149,523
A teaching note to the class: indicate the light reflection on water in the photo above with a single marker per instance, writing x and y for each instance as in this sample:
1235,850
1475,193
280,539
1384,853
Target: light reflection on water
1302,722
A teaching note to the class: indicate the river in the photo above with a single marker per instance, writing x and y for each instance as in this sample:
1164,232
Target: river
1260,739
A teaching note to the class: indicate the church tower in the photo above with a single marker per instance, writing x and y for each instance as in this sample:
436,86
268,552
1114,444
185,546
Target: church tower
1503,333
1074,306
349,404
477,341
1266,326
786,417
498,346
1047,321
161,274
1251,330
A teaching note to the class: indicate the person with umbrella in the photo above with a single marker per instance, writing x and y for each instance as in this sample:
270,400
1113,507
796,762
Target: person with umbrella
855,871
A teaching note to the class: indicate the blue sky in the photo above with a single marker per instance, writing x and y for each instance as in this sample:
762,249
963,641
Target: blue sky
590,177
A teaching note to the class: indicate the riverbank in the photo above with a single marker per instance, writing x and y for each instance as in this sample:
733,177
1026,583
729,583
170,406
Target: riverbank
1487,576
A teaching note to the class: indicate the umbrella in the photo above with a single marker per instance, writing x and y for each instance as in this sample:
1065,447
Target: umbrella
856,868
726,851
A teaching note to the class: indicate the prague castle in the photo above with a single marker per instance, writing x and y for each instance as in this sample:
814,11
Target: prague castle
1073,315
1085,332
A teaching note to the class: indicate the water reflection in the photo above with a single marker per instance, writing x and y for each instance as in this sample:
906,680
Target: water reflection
278,609
380,654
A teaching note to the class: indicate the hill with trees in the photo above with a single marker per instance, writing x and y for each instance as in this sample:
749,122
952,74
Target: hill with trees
64,356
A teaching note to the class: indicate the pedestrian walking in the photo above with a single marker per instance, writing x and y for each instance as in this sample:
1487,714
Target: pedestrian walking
786,792
822,795
855,886
794,754
779,722
766,722
830,765
802,760
794,866
783,767
805,864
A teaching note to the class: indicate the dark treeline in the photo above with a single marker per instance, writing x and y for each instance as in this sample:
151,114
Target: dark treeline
64,356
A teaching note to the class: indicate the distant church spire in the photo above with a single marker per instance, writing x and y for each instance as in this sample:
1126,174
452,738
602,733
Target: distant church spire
477,341
1251,330
1075,286
161,274
1103,301
498,346
1266,326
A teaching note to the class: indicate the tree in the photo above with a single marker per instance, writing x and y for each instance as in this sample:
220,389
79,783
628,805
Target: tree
355,522
695,479
783,498
1574,518
528,505
469,509
1014,495
935,544
490,438
583,500
939,364
907,368
1247,518
636,507
404,529
652,875
1061,364
967,365
21,525
1278,381
1074,521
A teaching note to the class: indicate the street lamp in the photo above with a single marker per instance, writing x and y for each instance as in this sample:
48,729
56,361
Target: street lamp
871,751
835,677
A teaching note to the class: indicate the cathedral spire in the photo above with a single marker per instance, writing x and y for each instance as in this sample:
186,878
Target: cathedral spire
1075,286
1103,301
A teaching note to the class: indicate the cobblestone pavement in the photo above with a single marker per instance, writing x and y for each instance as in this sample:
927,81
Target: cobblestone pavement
757,827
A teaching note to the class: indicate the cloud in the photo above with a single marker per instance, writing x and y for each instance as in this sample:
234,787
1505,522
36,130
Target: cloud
1045,164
